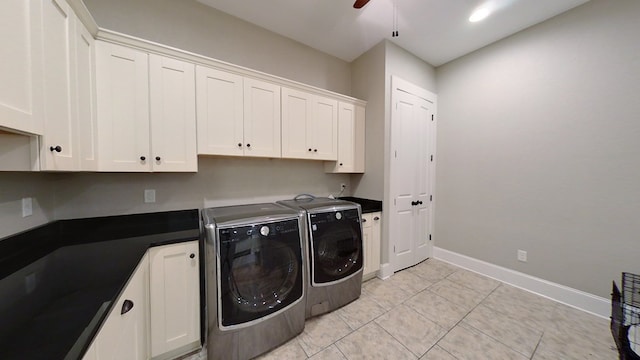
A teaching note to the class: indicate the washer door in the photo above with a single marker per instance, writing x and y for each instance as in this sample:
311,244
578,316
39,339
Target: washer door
260,272
336,240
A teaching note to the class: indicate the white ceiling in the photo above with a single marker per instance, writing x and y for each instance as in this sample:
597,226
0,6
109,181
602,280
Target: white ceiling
435,30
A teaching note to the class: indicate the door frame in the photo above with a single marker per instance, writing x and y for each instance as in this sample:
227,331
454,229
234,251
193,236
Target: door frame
399,84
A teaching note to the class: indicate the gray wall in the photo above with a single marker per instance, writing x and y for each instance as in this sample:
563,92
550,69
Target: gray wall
17,185
191,26
538,146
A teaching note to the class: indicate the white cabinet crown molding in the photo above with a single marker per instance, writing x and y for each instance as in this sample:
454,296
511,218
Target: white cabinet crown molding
81,11
160,49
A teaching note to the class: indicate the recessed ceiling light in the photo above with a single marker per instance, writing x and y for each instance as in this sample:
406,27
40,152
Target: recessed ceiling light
479,14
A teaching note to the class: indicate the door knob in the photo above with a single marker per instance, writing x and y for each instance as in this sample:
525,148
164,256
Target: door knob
56,148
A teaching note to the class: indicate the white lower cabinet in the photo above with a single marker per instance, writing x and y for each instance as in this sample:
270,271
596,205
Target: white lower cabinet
371,231
157,316
175,299
124,333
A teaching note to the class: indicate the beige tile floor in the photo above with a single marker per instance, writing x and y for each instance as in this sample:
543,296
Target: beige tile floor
437,311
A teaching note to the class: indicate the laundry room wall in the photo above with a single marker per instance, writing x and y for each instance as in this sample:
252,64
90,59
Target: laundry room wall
538,149
192,26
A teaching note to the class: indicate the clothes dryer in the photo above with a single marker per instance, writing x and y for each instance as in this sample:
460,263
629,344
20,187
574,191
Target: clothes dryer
334,248
254,271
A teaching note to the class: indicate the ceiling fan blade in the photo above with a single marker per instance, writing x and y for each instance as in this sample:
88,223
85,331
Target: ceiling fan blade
360,3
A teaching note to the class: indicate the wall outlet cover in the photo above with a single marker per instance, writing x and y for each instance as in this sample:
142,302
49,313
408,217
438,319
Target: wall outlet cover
149,196
27,207
522,255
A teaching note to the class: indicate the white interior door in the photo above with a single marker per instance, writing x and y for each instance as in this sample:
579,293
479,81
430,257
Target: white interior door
410,178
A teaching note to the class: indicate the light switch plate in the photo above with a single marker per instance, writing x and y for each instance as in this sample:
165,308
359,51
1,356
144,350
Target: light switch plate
149,195
27,207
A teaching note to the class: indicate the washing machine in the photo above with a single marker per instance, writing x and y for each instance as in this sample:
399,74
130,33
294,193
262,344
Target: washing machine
255,278
334,248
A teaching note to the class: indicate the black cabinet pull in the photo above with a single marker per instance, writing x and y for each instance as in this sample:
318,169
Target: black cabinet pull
143,158
309,149
56,148
239,144
248,145
127,305
315,150
192,256
419,202
364,220
340,164
157,158
376,218
414,203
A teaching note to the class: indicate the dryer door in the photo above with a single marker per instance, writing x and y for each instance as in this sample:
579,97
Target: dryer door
336,240
260,271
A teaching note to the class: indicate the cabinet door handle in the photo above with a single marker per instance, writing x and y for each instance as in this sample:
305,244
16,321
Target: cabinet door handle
340,164
127,305
248,145
376,218
309,149
364,220
419,202
143,158
239,144
157,158
56,148
315,150
192,256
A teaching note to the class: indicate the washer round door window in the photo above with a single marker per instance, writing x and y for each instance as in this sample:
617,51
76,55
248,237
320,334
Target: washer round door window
336,239
260,270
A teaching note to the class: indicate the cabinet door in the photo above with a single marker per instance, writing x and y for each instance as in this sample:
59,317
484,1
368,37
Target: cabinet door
173,114
297,112
122,79
124,336
324,130
21,76
261,118
366,244
351,134
58,148
220,112
175,298
84,96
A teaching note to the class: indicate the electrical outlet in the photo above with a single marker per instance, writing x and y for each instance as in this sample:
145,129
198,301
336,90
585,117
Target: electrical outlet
522,255
27,207
149,196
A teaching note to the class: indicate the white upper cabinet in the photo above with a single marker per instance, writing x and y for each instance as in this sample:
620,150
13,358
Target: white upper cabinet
122,79
351,140
68,140
141,130
173,114
84,95
309,126
220,110
237,116
21,102
261,118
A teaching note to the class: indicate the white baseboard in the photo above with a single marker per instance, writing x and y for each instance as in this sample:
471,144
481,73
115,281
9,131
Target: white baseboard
590,303
385,271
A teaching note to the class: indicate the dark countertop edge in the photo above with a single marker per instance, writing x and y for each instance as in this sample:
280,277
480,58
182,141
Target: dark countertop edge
367,205
96,324
162,228
23,248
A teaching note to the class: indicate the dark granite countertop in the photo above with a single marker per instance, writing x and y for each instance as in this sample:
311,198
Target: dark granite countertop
59,281
368,206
